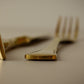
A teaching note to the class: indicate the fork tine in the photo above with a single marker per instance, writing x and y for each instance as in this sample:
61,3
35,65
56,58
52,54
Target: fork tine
64,27
58,26
70,27
76,29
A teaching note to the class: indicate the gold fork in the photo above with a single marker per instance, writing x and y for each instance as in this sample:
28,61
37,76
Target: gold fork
49,53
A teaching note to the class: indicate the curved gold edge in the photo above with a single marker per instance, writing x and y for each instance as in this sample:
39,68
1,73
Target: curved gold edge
41,57
2,51
22,40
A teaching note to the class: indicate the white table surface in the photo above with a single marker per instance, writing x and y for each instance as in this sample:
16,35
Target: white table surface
35,17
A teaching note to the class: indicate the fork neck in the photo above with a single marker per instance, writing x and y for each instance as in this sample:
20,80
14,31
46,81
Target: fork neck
54,44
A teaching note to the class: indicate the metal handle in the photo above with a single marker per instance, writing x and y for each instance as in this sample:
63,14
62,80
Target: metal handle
15,42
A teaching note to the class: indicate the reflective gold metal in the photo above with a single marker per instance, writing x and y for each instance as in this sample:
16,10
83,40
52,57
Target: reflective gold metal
40,57
49,53
23,40
18,41
2,50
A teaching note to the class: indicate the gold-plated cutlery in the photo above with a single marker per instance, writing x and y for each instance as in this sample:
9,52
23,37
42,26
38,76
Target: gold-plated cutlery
18,41
50,52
